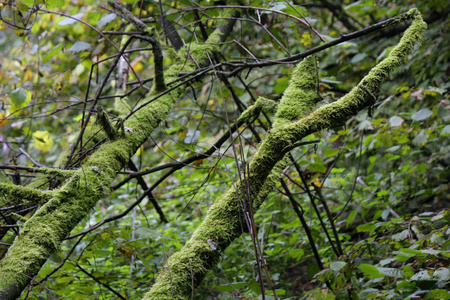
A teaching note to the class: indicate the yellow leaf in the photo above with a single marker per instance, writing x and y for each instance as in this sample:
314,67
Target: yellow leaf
140,150
306,39
19,32
42,141
138,67
125,251
28,75
318,183
3,119
313,178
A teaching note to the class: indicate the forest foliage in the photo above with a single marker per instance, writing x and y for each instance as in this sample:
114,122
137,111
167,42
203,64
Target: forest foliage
371,194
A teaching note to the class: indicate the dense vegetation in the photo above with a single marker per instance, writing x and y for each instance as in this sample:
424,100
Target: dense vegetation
360,211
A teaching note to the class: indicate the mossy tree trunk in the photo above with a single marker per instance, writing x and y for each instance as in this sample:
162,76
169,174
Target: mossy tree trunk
228,216
65,207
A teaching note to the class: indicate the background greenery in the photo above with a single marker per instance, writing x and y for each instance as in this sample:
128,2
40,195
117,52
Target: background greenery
383,176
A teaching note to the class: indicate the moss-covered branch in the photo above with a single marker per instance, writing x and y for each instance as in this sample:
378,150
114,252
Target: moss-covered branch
261,104
18,194
224,220
72,202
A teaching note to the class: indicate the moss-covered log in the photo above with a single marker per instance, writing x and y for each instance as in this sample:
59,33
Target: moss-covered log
43,233
224,221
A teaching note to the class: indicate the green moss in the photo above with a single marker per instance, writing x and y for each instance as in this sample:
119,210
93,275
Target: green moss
301,94
18,194
261,104
363,95
103,121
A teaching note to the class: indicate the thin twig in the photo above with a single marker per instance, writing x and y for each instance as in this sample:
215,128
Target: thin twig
99,282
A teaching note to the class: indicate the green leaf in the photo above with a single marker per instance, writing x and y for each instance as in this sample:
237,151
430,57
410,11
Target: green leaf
295,12
255,287
69,21
358,57
421,138
368,227
79,46
28,2
351,217
146,232
296,253
421,275
280,292
281,85
386,261
359,6
55,50
446,130
438,294
337,170
228,288
364,294
42,141
52,4
329,152
100,252
280,6
318,168
408,271
185,2
404,254
18,96
105,20
431,251
396,121
306,38
422,114
337,265
390,272
443,274
93,17
370,271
